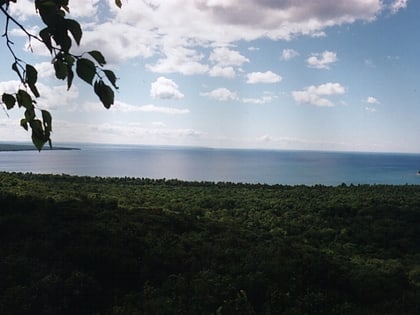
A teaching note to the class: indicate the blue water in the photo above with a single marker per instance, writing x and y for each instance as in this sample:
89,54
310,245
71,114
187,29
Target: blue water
228,165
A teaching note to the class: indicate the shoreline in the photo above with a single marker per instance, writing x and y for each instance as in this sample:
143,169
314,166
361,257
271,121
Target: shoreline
29,147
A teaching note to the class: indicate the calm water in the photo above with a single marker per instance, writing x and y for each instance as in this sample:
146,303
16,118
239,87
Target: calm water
251,166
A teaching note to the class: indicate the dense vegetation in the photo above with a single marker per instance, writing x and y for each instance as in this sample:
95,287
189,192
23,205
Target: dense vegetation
80,245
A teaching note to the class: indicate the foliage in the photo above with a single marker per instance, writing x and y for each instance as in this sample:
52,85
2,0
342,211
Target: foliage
58,36
81,245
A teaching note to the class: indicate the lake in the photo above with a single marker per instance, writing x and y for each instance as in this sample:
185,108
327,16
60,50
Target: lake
228,165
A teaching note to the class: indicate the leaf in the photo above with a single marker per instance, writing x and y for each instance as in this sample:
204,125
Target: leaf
97,55
24,124
111,77
47,120
31,78
85,69
31,74
69,59
38,138
46,38
60,69
9,100
48,11
30,114
105,93
118,3
16,69
75,30
64,42
34,90
70,76
24,99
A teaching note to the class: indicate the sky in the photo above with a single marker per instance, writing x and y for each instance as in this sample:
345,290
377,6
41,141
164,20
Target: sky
336,75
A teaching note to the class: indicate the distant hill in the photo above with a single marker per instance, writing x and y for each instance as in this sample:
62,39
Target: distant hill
28,147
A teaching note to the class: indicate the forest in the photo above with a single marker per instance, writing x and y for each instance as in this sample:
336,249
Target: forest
121,246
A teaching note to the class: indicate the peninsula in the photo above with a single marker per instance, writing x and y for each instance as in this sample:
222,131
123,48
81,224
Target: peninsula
28,147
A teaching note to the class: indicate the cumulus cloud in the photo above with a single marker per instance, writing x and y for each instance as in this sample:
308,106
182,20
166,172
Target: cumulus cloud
322,60
223,56
164,88
263,77
260,101
180,60
161,29
317,95
226,72
398,5
288,54
372,100
52,97
221,94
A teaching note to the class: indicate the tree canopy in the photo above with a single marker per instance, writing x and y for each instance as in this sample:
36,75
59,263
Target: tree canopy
59,35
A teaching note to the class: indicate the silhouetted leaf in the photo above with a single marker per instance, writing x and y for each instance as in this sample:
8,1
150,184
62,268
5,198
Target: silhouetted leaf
48,11
111,77
97,55
85,69
24,123
70,76
16,69
38,138
47,120
31,74
75,30
46,38
30,114
31,78
105,93
60,69
24,99
118,3
9,100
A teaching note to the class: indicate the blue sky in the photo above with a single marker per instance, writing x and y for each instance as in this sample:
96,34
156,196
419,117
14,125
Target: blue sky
314,75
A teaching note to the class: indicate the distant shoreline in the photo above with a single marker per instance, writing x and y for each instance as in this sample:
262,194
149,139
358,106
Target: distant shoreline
28,147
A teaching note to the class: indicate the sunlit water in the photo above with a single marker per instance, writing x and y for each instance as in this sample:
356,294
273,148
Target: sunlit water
200,164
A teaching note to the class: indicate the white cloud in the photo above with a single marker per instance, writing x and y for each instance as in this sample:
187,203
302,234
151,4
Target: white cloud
129,108
225,72
149,108
164,88
288,54
322,60
223,57
55,97
45,70
52,97
398,5
253,48
10,87
263,77
221,94
315,95
180,60
372,100
262,100
161,29
370,109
